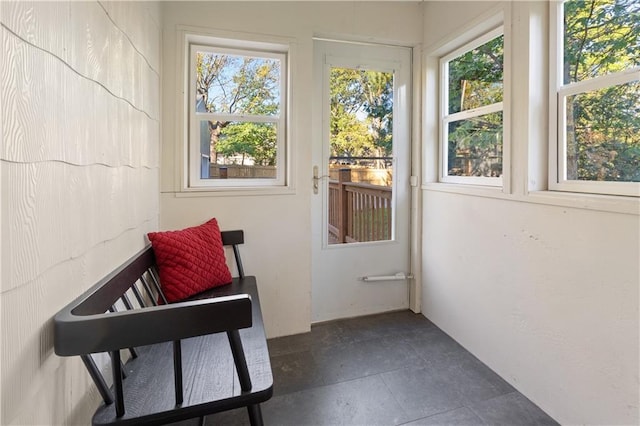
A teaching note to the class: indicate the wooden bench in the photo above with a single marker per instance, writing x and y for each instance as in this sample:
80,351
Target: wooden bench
180,365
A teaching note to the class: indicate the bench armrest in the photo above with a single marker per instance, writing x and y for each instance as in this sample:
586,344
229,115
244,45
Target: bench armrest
85,334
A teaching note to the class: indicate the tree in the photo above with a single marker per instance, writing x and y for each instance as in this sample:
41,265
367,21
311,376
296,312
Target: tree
378,95
476,80
361,112
255,140
232,84
603,126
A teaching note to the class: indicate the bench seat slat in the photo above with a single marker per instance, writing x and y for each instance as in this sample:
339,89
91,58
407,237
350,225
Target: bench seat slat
211,383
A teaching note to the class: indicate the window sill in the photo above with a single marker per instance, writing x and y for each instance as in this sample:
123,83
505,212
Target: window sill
466,189
232,192
605,203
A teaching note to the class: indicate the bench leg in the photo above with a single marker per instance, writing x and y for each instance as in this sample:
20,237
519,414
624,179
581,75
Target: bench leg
239,359
255,415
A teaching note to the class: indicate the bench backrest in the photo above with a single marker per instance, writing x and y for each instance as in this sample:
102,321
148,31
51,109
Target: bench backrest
139,274
136,279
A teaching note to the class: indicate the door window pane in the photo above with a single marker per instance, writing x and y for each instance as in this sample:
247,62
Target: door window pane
361,157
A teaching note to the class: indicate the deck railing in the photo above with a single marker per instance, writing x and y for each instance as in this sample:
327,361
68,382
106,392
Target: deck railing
358,212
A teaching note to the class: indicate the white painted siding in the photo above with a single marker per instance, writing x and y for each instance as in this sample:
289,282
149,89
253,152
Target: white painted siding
539,287
79,167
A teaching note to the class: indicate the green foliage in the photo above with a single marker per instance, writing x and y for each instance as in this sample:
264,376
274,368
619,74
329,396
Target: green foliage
606,130
603,126
349,136
601,36
476,80
361,112
475,146
378,91
232,84
255,140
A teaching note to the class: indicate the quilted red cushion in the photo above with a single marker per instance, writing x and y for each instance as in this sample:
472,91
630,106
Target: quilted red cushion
190,260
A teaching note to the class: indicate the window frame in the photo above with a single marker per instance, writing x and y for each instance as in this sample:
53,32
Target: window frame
445,118
558,94
198,43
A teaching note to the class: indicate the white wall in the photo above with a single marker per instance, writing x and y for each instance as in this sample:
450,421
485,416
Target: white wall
541,289
278,228
79,163
546,294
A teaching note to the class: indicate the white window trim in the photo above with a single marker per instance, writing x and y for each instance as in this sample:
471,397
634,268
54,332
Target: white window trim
558,94
228,43
528,182
446,118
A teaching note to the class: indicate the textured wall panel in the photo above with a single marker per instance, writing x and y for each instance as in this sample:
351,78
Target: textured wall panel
43,23
136,20
2,248
28,359
82,35
79,181
90,123
46,227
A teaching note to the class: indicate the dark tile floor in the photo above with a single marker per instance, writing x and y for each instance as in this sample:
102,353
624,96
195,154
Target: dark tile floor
388,369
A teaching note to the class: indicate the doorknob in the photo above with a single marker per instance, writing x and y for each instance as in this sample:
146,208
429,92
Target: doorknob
316,179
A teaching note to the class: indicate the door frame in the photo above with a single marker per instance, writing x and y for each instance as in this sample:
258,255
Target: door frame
415,153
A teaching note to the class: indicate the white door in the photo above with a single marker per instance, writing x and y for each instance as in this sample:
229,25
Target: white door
361,201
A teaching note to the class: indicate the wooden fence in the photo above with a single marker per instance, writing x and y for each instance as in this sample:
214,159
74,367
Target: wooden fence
358,212
237,171
381,177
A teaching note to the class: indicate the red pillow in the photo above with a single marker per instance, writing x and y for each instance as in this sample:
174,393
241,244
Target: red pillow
190,260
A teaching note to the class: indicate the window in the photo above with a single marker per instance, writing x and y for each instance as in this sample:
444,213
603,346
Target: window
237,113
596,80
472,121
